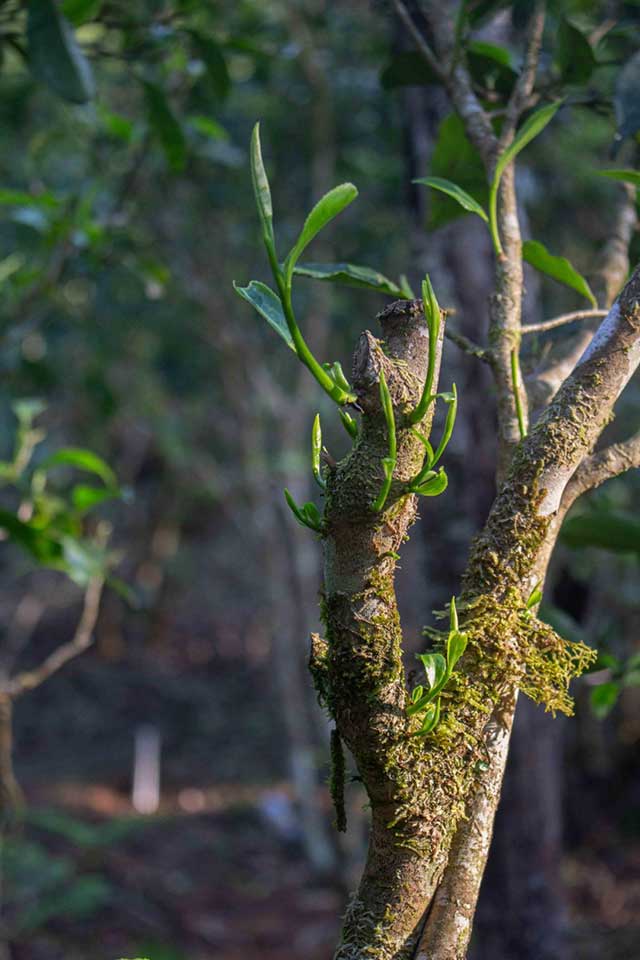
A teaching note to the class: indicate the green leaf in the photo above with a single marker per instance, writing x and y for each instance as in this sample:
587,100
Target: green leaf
10,265
456,646
19,198
627,176
211,55
530,129
574,55
527,132
559,268
81,11
55,59
328,207
85,497
39,544
261,190
454,158
83,460
534,598
351,275
433,487
116,125
165,126
268,305
350,425
316,450
209,127
435,668
619,532
416,693
453,190
431,719
453,615
603,698
312,514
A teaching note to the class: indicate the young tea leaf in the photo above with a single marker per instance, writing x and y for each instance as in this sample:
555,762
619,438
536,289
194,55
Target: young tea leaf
456,646
351,275
530,129
261,190
433,487
316,450
328,207
431,719
559,268
82,460
435,668
268,305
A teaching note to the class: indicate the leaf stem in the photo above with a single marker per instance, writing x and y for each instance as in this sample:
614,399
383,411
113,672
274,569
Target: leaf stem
515,380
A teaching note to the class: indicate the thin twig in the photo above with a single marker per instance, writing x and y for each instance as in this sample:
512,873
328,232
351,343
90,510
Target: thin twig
561,320
467,345
603,465
82,639
524,85
423,47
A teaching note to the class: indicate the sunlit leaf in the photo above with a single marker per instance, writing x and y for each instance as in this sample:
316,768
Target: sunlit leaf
559,268
268,305
456,646
328,207
435,668
82,460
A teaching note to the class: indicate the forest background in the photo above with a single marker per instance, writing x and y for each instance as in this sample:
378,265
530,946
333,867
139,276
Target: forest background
126,212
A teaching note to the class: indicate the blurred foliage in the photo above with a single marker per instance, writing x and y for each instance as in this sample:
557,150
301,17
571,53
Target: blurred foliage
125,212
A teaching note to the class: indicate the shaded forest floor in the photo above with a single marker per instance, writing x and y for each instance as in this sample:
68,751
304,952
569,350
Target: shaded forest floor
84,877
218,873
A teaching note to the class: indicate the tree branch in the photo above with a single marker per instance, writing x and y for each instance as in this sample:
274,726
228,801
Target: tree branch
521,94
423,47
562,320
601,466
82,639
467,345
